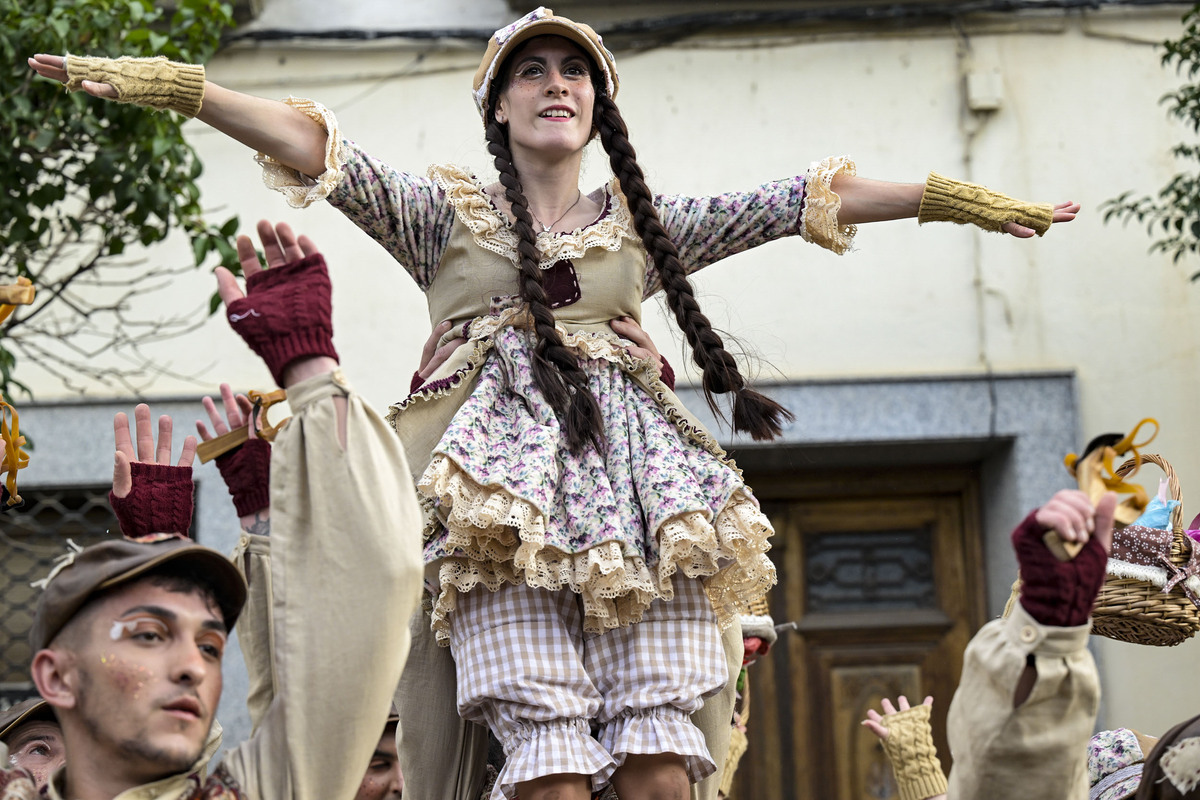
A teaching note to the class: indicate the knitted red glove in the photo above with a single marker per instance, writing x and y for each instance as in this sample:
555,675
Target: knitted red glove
287,313
160,502
666,374
247,473
1059,593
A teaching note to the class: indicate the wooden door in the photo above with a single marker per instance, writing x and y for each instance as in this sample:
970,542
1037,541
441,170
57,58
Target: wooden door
881,572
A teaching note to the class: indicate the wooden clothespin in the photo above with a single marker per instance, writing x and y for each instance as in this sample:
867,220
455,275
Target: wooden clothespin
226,442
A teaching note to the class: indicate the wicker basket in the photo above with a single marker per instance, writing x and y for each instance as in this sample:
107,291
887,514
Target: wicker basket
1137,611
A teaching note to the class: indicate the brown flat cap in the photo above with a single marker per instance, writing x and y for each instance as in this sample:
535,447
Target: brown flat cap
84,573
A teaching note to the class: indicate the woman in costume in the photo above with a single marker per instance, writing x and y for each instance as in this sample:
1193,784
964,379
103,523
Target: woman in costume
587,538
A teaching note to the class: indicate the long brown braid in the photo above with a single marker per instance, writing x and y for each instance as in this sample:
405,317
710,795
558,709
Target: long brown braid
753,413
555,369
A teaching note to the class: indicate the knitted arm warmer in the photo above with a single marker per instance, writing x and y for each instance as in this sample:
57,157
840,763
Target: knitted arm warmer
909,746
160,501
154,82
947,200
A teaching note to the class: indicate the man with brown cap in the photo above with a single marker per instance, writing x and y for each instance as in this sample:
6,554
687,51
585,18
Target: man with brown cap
129,634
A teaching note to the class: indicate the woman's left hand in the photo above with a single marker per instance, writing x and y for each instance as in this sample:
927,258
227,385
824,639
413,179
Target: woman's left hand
1063,212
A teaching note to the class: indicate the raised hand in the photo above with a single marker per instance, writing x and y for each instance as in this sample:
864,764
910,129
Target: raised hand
149,495
1062,593
876,723
1070,513
285,314
246,469
238,410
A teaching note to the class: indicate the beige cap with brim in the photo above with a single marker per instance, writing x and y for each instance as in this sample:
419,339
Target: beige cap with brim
541,22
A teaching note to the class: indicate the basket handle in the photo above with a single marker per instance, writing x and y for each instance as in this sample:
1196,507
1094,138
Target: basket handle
1172,484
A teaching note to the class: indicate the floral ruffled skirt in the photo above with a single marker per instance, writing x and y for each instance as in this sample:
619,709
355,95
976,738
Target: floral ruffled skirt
516,506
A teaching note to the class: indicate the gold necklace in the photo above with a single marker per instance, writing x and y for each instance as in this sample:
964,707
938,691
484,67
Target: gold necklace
546,228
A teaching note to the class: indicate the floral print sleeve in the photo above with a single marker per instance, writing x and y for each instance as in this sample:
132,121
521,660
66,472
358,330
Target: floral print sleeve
407,214
708,229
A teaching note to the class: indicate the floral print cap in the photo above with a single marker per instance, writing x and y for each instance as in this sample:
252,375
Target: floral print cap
540,22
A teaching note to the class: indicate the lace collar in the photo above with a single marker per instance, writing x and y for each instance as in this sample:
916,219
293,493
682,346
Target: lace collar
492,230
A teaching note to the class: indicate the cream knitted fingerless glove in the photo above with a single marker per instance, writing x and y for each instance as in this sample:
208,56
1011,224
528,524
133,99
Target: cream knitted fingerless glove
947,200
154,82
909,746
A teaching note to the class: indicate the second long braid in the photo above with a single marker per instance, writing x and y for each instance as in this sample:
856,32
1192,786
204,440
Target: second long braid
753,413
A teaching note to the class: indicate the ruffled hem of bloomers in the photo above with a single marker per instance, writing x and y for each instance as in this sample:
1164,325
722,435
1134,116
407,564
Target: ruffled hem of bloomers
550,748
492,535
658,730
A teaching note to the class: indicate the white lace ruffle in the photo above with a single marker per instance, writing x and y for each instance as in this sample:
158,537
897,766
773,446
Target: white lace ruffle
501,539
492,231
299,190
819,223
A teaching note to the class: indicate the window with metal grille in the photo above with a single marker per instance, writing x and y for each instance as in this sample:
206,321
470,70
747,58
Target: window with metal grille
31,538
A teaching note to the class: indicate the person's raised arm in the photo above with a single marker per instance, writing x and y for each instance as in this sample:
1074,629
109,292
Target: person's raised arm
345,554
267,126
1020,720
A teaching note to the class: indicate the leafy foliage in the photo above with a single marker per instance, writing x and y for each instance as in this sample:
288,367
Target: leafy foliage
88,178
1172,217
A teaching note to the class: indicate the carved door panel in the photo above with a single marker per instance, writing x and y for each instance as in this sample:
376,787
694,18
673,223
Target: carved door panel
881,574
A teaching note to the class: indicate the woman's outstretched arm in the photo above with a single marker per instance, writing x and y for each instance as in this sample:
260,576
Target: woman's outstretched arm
267,126
866,200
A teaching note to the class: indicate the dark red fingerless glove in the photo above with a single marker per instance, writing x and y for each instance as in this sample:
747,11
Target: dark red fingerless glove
666,374
161,500
247,474
287,314
416,383
1059,593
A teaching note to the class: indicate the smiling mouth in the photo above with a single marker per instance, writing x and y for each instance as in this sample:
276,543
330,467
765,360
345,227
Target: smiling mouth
556,113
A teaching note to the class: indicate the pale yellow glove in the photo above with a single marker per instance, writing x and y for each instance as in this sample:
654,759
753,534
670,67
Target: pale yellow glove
909,746
947,200
154,82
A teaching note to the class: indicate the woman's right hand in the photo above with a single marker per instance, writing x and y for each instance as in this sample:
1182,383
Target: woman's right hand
55,68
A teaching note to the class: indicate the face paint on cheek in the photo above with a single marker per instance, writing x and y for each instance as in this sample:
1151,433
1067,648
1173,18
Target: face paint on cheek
128,678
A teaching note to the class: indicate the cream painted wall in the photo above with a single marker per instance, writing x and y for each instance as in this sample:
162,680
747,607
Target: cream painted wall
1079,120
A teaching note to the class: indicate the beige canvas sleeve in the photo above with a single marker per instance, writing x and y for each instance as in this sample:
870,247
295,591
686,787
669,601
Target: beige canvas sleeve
1039,748
345,576
254,629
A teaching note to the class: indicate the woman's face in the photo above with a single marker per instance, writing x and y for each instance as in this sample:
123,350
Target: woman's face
547,99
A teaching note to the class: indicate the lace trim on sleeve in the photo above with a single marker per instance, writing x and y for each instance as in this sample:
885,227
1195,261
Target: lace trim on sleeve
299,190
491,230
819,223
